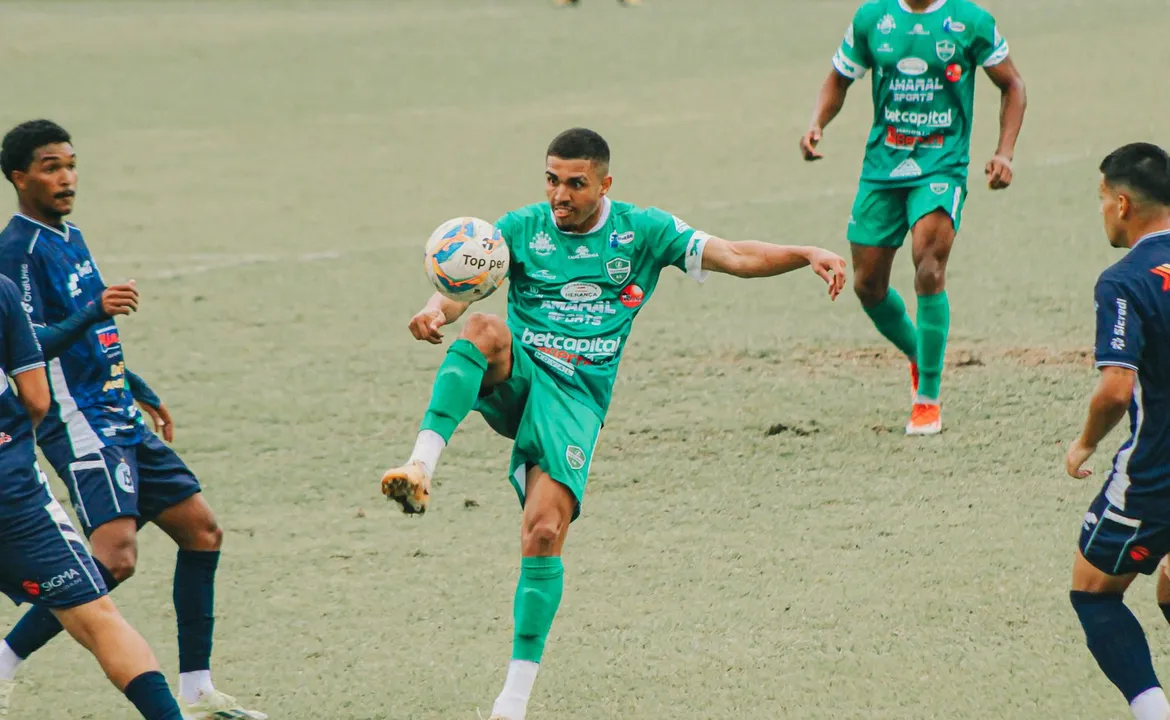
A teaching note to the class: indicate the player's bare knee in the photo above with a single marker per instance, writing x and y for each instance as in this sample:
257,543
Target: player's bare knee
541,533
489,333
930,275
121,561
870,289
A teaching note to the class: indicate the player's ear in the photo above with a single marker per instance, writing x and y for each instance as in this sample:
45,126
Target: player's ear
19,178
606,182
1124,206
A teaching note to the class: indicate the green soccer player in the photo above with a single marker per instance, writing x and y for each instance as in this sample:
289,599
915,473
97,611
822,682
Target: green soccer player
582,267
924,55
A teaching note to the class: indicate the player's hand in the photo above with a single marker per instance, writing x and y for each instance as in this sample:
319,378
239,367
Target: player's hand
999,172
831,268
426,325
120,299
1078,454
808,144
163,425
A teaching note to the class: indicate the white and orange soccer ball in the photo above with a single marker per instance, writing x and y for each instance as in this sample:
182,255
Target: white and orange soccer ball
466,259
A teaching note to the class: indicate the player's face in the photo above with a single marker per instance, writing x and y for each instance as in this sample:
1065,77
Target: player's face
50,183
1114,211
575,189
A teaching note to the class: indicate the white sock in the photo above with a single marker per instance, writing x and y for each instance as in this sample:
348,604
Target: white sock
194,684
513,700
1151,705
427,449
9,661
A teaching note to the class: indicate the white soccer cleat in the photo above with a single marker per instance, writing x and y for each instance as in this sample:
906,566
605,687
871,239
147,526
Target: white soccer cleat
6,689
409,486
218,706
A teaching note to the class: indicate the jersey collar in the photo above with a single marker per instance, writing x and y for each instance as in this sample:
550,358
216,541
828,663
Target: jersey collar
933,6
601,221
1151,235
63,234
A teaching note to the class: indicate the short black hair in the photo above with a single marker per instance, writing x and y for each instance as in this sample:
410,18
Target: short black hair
1141,167
580,144
22,141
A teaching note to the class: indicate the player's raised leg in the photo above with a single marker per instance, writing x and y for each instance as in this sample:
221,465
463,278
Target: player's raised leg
1115,637
933,237
548,511
480,358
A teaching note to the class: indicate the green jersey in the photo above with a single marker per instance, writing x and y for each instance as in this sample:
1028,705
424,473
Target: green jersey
572,298
923,84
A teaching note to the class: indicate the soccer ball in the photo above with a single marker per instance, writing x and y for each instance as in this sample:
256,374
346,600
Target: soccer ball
466,259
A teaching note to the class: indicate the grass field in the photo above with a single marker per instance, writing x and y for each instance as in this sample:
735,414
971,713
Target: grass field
267,172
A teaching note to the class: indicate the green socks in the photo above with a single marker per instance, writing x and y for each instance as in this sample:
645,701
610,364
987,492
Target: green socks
892,321
456,388
934,323
538,595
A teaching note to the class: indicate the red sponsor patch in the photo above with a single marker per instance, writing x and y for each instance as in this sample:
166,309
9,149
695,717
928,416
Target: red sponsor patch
31,588
954,72
1139,553
902,140
632,296
1163,271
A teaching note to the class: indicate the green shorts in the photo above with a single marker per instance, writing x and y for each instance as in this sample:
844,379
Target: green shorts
882,215
551,429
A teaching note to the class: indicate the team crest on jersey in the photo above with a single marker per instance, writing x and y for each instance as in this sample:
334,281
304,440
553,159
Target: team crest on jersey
123,477
886,25
541,244
945,49
939,188
618,270
575,456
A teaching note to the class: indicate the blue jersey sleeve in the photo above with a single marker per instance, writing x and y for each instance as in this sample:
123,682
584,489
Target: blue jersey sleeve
21,268
21,350
1119,326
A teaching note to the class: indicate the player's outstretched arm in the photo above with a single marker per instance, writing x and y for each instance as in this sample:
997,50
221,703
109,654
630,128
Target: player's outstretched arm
754,259
1107,408
440,310
830,100
1013,102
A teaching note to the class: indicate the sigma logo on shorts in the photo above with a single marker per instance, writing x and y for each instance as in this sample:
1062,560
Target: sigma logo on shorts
618,270
575,456
123,477
580,292
939,188
912,66
945,49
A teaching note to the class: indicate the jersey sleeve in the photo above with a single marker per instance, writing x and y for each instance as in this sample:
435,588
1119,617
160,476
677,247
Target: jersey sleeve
1119,326
673,243
511,227
21,350
21,268
853,59
989,47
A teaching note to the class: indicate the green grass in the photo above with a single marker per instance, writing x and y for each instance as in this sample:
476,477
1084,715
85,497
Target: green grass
267,172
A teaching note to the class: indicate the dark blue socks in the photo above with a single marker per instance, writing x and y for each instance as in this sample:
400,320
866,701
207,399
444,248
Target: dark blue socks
195,607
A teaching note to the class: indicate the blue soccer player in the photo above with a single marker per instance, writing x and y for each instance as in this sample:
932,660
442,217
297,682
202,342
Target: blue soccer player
120,475
43,561
1127,528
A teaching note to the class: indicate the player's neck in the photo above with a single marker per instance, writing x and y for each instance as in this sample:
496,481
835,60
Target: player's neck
50,220
919,6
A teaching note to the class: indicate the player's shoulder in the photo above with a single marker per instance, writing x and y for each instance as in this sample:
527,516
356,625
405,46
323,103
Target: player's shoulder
19,237
970,13
535,212
648,218
870,10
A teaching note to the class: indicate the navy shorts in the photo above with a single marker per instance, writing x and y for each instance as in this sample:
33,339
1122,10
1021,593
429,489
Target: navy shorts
1117,544
138,481
43,559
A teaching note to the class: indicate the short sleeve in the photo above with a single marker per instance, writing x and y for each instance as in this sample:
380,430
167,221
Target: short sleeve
673,243
852,58
21,350
511,228
1119,326
989,47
